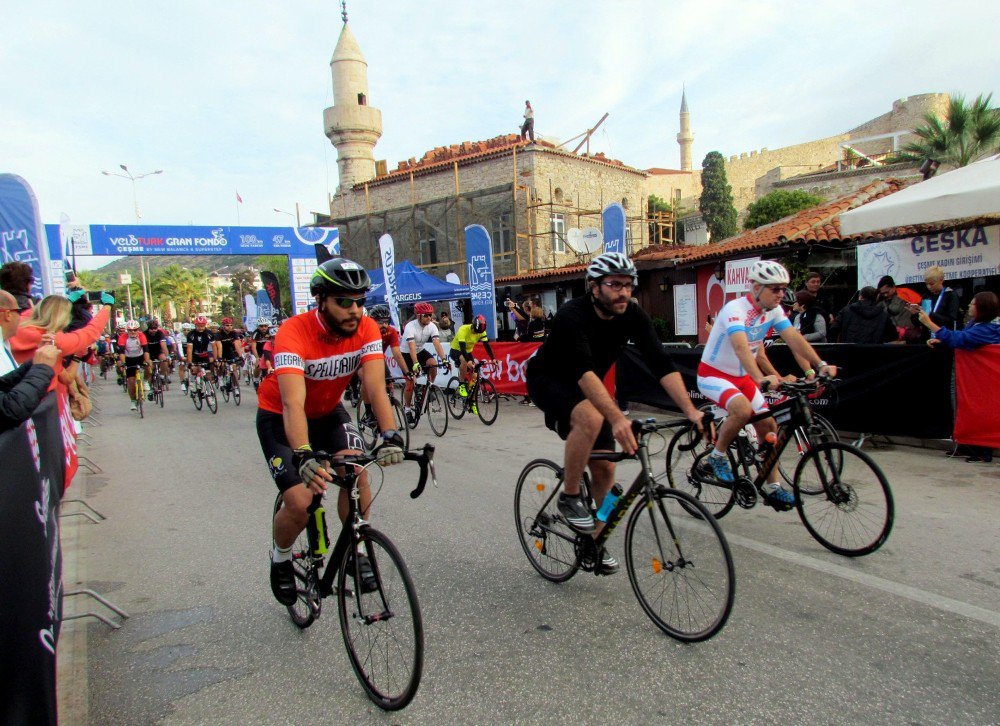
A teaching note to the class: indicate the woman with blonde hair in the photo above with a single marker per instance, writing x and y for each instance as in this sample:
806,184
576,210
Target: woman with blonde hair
47,323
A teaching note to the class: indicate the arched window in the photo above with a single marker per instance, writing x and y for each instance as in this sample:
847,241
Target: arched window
557,195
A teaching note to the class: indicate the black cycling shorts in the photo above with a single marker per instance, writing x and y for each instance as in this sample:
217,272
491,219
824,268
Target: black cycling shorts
333,434
557,399
132,365
422,356
458,356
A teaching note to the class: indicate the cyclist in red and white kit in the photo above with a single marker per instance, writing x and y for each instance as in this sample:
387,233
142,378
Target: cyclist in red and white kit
730,377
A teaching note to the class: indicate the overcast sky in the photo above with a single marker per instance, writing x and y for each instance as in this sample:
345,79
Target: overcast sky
230,95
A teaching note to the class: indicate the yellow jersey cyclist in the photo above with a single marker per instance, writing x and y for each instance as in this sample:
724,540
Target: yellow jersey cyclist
729,374
462,346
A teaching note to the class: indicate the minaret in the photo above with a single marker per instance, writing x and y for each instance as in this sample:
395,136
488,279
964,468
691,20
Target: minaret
351,124
685,138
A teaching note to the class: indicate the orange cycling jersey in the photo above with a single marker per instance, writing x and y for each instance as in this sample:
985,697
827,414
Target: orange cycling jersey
305,346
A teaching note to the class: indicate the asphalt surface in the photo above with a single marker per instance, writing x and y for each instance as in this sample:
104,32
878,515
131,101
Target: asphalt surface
909,634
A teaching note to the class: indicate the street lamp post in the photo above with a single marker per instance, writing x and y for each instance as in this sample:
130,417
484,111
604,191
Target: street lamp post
135,205
293,216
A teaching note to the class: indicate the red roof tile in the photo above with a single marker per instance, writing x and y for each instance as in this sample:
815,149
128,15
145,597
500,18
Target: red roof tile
469,151
571,270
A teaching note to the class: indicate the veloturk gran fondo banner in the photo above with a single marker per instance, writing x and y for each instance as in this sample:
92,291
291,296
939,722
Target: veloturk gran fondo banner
479,257
22,236
31,485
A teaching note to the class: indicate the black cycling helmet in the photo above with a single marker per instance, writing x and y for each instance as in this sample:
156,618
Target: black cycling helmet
339,275
479,324
379,312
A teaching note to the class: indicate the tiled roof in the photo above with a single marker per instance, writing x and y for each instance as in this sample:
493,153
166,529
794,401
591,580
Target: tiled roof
572,270
473,151
818,224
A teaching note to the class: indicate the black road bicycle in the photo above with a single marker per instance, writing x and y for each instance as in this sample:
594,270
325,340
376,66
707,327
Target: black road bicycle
681,569
202,391
368,426
483,395
431,401
841,494
229,383
379,614
157,385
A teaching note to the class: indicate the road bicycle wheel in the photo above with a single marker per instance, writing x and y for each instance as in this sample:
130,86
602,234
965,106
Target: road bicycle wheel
801,440
400,418
487,401
237,394
367,427
852,512
308,605
211,398
383,630
437,410
686,472
223,386
197,396
680,568
140,395
548,542
456,402
159,395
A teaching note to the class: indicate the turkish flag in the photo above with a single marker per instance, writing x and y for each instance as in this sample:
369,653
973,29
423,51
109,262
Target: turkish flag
977,383
239,198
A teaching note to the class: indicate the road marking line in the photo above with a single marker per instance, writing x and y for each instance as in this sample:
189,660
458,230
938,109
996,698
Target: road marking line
924,597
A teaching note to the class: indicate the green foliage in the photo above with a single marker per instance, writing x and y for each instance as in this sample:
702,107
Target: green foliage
970,132
778,204
662,328
278,264
716,202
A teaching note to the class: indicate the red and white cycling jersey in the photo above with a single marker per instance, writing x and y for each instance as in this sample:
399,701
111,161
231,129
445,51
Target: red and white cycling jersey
305,346
740,316
133,347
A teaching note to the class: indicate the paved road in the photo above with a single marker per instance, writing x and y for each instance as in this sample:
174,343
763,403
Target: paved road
910,634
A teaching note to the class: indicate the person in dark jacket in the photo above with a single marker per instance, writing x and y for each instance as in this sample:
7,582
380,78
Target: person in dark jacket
17,279
22,387
808,317
943,301
888,297
865,321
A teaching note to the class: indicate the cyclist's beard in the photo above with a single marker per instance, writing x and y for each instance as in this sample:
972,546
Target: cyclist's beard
607,309
344,329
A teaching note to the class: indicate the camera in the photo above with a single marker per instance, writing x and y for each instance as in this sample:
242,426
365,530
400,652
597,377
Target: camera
94,296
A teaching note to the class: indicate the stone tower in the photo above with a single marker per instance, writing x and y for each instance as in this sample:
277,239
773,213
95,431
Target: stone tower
352,126
685,138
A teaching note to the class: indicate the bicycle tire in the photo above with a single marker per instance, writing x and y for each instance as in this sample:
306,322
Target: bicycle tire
307,607
819,431
436,410
853,486
394,624
548,542
237,394
456,403
400,417
197,397
211,398
223,381
681,570
683,455
368,430
487,401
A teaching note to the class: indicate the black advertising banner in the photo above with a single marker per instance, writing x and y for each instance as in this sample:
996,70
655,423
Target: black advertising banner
894,390
270,281
31,484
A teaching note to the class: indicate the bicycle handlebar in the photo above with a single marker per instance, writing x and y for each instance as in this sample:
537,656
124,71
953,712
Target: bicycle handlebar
424,457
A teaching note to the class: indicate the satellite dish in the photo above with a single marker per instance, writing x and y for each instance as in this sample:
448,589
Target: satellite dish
592,240
574,238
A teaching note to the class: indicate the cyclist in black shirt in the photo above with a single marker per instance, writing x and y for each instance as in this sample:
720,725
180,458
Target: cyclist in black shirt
228,348
586,337
156,346
199,351
260,336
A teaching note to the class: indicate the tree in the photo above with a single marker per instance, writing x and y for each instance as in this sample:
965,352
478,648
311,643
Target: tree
970,132
778,204
716,202
91,280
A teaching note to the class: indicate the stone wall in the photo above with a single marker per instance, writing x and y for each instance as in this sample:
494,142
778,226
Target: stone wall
907,113
839,184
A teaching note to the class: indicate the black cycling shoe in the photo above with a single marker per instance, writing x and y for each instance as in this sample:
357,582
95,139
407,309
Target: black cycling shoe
369,583
283,582
576,513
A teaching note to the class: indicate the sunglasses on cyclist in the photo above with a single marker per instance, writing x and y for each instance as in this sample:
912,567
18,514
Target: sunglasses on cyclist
777,289
347,302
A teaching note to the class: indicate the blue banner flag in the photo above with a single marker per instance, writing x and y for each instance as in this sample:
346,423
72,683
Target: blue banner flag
479,257
22,236
613,217
264,307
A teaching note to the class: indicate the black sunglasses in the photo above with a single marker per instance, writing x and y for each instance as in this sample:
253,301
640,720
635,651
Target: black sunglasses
347,302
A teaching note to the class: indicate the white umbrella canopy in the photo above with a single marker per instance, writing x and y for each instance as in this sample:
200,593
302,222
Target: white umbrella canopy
970,191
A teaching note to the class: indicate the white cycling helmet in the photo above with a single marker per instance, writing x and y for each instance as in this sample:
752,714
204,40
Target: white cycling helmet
612,263
768,272
132,325
264,321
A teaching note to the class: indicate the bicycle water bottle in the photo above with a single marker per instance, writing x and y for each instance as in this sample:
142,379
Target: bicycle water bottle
610,499
766,445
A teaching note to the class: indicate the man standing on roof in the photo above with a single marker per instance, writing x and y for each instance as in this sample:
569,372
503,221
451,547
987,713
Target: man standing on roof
528,127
